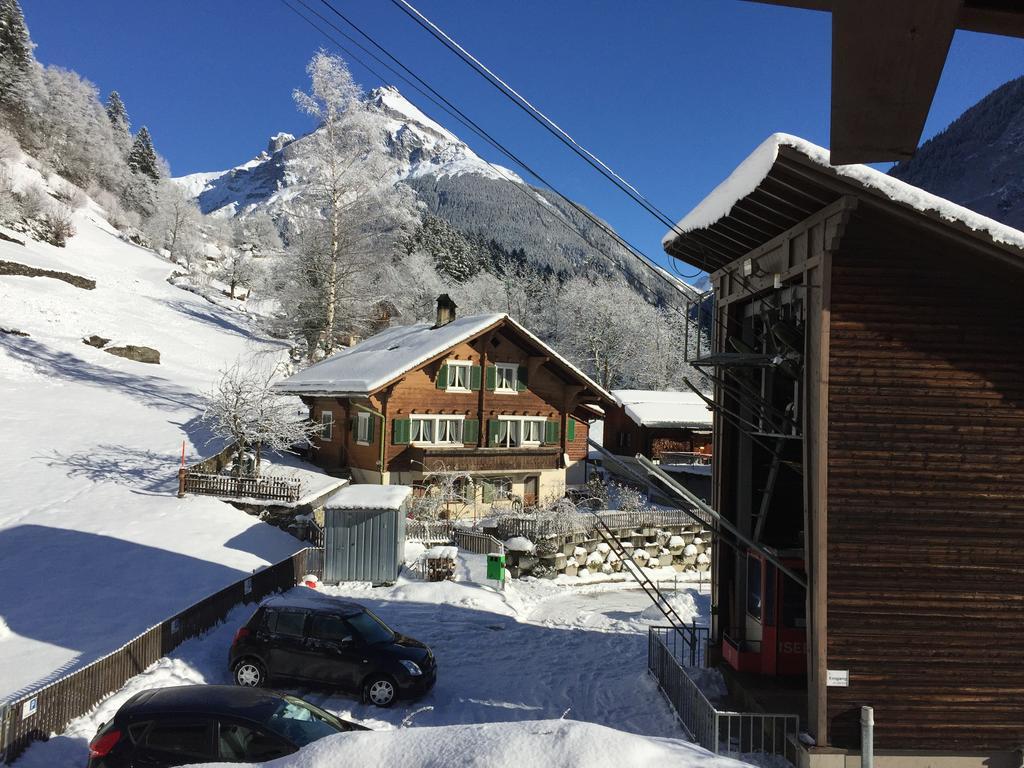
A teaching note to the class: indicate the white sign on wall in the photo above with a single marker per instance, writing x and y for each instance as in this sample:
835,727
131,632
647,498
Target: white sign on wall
837,678
29,708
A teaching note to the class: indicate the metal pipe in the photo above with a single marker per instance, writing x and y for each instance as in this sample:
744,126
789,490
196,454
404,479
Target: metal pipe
867,737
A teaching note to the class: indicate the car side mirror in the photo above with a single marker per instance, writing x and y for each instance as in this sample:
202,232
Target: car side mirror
346,642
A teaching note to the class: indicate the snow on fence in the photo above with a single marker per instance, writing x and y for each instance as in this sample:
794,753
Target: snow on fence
429,531
719,731
535,527
287,489
48,709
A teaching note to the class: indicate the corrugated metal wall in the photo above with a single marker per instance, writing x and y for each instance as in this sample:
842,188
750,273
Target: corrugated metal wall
925,491
363,545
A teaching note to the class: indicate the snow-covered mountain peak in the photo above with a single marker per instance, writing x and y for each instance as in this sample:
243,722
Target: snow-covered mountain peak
278,142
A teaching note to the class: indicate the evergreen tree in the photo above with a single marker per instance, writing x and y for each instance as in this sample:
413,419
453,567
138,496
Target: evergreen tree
142,158
453,253
118,116
16,60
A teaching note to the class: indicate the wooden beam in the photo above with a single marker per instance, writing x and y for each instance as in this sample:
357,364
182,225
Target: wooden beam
886,61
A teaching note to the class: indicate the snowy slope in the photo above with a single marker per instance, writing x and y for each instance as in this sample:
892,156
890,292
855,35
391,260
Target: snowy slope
94,546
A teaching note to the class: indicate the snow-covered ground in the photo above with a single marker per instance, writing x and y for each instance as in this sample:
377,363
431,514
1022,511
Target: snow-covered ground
536,652
94,546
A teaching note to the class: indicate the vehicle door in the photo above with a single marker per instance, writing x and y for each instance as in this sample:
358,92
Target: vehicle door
286,651
175,741
336,657
239,742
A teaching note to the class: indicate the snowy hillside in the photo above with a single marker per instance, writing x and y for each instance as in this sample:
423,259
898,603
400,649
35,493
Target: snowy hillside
450,179
978,160
94,545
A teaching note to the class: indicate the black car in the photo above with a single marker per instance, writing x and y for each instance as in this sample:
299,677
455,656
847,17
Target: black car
208,723
319,640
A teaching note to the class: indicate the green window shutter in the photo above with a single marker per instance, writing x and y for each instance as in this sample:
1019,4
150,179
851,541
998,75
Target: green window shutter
492,431
470,431
486,491
551,432
442,377
369,429
492,377
521,379
400,431
353,425
474,378
570,429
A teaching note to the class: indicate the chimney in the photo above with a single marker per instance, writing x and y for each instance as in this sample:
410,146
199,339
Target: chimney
445,310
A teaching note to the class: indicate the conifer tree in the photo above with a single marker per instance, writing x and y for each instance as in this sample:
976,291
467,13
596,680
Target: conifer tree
118,117
16,60
142,158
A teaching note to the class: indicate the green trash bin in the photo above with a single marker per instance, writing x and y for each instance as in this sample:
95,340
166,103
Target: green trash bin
496,567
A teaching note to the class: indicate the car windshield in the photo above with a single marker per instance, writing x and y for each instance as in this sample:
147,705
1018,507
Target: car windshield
302,723
370,628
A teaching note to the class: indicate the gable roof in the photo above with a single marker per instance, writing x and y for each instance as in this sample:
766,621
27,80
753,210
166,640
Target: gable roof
785,180
372,364
655,408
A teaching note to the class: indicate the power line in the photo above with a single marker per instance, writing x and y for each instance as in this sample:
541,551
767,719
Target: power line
443,103
520,101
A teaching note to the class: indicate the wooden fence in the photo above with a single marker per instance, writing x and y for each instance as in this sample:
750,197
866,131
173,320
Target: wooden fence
538,526
49,709
271,488
429,531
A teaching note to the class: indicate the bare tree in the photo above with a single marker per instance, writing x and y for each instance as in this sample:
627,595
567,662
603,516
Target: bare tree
356,213
237,268
243,408
444,494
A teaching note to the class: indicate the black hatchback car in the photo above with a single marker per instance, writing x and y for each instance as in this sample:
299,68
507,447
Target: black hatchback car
323,641
187,724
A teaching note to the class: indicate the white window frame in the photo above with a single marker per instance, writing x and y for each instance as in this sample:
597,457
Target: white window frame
326,425
465,366
363,428
436,419
513,376
520,431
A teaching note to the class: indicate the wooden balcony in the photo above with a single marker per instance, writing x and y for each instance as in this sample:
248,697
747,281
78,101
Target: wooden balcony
473,459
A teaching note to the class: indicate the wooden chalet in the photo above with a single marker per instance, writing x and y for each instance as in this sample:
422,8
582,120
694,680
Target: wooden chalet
869,437
477,395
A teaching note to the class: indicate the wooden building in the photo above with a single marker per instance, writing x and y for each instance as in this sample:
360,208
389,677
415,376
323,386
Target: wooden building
869,436
669,426
886,61
476,395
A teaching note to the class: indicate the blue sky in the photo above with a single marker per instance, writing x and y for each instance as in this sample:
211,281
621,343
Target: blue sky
670,93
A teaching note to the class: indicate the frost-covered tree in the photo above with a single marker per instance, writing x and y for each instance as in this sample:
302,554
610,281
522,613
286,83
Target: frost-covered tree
237,268
142,158
117,113
256,234
453,254
175,222
244,409
16,63
354,214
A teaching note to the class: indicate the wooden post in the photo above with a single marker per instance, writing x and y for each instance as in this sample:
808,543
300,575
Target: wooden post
182,474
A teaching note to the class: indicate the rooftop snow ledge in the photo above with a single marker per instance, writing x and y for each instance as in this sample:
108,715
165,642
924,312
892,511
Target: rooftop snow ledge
752,171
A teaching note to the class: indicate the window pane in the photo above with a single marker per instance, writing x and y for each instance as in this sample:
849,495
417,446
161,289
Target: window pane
182,738
458,376
329,628
754,587
242,743
513,433
290,623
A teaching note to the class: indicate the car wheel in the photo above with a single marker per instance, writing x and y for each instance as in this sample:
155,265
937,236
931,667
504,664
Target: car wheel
381,691
250,674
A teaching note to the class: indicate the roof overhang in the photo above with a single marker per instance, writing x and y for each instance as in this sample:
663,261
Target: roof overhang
887,57
769,194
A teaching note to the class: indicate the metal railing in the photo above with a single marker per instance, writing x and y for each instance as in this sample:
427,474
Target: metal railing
537,526
689,647
478,543
718,731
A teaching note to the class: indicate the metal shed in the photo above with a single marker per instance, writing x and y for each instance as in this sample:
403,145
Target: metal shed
364,533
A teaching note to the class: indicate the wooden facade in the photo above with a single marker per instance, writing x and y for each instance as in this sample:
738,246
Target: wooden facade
885,348
547,391
624,437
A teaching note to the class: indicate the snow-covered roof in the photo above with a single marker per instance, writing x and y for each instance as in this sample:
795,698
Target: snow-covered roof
369,497
371,364
654,408
751,172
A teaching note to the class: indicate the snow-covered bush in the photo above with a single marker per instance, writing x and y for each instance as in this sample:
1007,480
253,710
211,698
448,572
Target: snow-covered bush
58,226
10,211
33,202
520,544
9,149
